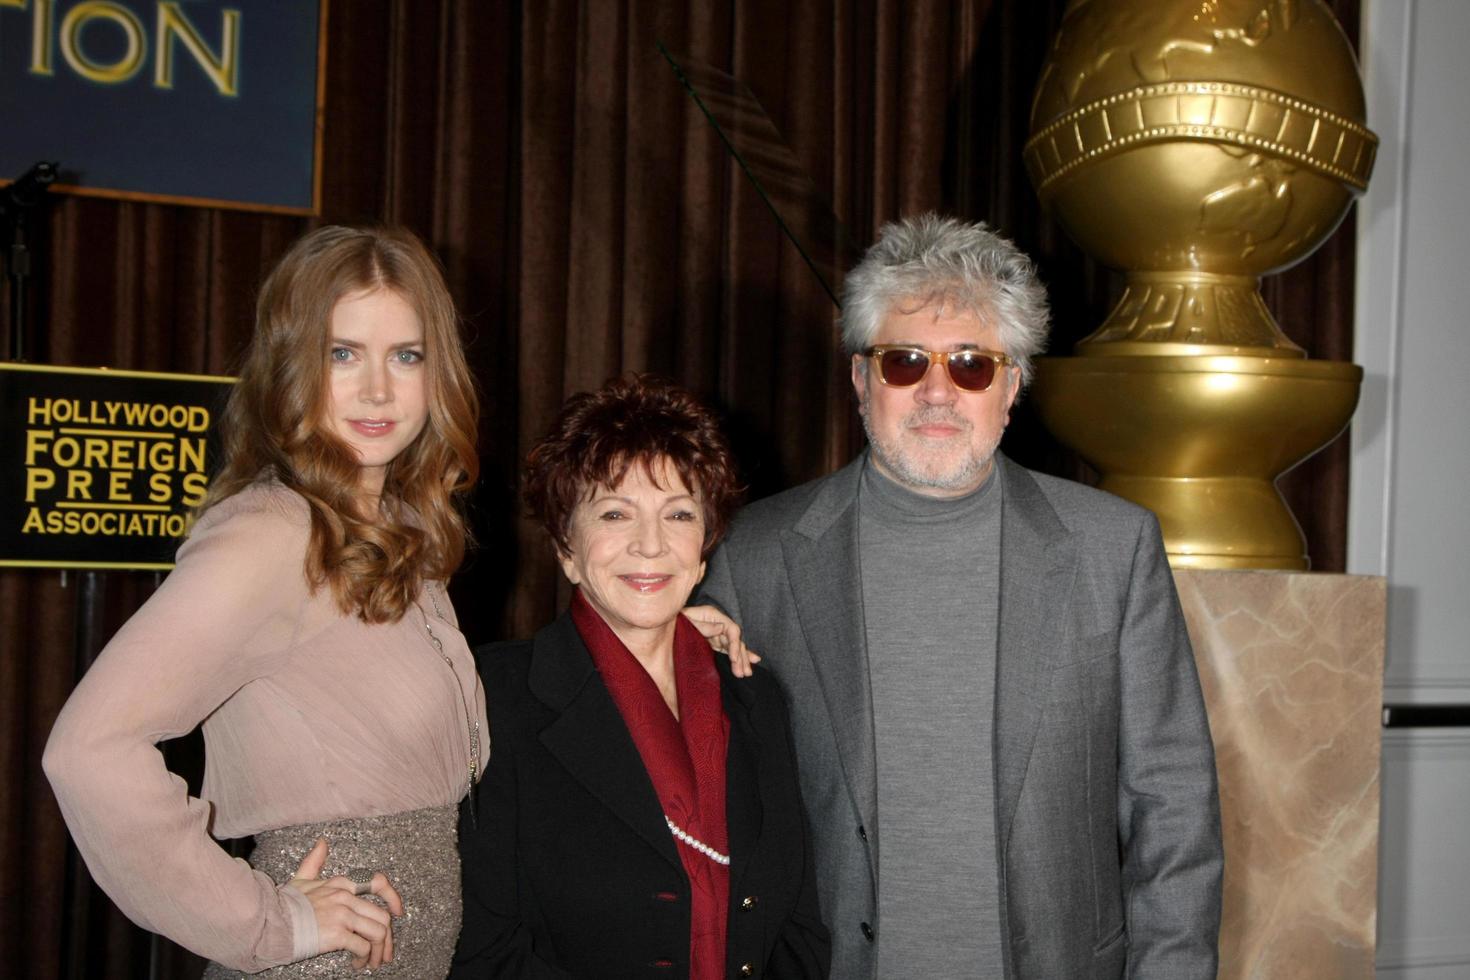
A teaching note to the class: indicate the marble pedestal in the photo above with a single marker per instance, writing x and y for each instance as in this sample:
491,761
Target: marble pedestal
1292,670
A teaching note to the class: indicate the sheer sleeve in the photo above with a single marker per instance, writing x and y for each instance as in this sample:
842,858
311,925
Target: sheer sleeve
224,617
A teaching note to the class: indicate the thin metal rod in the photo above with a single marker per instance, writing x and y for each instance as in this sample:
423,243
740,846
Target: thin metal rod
20,268
79,889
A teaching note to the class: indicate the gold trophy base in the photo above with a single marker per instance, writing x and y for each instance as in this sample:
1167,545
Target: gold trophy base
1200,440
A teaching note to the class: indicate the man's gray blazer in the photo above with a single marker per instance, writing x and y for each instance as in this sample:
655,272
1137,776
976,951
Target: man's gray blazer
1107,813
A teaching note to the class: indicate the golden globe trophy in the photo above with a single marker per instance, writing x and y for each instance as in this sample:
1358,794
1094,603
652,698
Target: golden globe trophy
1199,145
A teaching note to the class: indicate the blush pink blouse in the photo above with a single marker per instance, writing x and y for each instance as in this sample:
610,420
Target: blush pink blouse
309,715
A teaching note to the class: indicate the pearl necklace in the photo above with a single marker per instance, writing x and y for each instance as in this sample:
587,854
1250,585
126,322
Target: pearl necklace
696,843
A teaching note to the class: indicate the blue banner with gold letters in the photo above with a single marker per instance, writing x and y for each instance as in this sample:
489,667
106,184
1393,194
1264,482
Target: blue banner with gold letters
208,102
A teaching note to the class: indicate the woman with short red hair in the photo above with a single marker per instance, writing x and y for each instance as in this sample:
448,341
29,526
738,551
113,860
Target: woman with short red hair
640,814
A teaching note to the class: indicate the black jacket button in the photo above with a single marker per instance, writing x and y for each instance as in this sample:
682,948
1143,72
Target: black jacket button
746,970
749,902
867,932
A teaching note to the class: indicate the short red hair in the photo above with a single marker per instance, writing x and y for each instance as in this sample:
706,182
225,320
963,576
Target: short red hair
636,419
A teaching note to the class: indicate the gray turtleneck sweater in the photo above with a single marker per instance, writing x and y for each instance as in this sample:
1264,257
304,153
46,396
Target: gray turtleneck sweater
931,585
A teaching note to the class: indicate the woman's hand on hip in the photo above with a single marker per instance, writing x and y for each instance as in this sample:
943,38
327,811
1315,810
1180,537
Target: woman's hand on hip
345,919
723,633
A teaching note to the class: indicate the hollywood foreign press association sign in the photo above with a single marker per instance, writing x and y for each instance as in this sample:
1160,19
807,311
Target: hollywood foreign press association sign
102,468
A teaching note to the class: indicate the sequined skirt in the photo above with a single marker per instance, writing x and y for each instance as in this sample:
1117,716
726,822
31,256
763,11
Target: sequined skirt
419,853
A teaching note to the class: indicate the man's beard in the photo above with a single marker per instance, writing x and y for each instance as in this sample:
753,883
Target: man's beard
947,469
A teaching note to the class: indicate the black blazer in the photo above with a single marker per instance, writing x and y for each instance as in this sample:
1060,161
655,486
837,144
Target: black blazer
569,868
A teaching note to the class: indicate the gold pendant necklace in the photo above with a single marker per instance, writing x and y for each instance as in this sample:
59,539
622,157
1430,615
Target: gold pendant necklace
472,725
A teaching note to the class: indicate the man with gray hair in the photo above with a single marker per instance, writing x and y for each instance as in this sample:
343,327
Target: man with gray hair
998,722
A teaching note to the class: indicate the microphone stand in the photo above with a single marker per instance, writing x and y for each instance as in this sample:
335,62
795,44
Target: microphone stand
82,902
17,200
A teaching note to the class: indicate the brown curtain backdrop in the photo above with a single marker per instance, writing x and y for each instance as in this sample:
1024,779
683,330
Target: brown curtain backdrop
591,224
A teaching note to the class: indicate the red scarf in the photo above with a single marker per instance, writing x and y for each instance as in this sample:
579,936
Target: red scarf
685,759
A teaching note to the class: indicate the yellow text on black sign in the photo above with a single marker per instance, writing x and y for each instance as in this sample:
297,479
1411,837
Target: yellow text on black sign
112,468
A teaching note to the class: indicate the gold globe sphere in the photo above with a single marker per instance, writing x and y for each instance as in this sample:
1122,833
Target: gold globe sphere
1198,145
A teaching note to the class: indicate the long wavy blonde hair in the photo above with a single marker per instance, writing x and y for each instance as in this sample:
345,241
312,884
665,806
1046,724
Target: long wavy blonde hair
274,424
